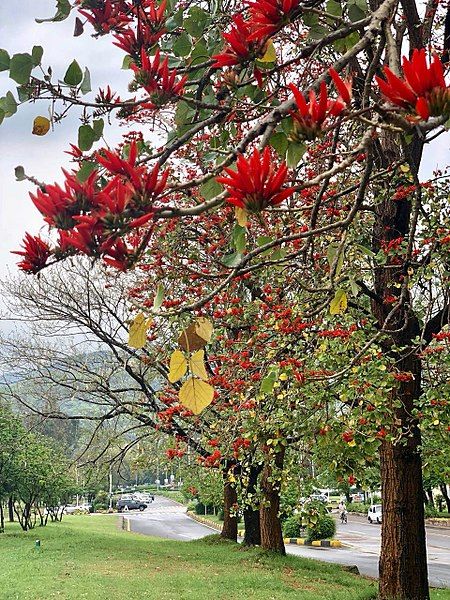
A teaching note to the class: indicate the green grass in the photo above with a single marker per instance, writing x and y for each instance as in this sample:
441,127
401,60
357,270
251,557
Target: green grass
89,557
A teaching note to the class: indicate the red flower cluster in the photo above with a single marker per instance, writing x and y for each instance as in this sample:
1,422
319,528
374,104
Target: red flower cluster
35,254
241,48
268,16
157,80
257,183
150,28
105,15
422,90
92,219
310,116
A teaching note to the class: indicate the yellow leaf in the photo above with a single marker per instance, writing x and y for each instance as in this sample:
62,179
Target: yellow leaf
270,56
178,366
196,395
138,331
197,365
339,303
204,328
41,126
241,216
352,444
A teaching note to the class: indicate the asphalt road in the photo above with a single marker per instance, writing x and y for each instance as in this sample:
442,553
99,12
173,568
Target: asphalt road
167,519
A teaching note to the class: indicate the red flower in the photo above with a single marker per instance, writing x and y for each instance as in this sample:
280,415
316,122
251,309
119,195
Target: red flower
257,183
105,15
351,480
309,117
240,48
151,28
35,254
347,436
423,88
157,80
267,16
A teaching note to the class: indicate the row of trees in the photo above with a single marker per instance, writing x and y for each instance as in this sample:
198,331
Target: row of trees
269,186
35,483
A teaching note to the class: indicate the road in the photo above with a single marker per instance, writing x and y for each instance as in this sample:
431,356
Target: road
165,518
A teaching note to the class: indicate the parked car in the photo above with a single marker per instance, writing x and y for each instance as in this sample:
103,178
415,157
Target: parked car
71,508
374,513
131,504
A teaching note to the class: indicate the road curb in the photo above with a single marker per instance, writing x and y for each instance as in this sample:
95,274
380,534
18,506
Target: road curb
321,543
203,521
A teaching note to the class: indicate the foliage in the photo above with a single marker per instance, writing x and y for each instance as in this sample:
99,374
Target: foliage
322,529
292,526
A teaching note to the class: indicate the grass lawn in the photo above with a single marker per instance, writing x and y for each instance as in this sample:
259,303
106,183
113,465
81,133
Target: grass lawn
89,557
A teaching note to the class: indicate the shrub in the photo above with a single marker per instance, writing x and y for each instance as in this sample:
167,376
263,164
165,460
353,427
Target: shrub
101,506
199,508
431,511
325,527
191,507
292,526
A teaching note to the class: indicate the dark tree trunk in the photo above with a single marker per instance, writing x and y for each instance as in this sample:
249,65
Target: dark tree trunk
429,494
403,559
271,533
444,491
230,525
2,518
252,536
11,509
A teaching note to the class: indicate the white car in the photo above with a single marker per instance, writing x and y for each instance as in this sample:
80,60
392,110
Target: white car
374,513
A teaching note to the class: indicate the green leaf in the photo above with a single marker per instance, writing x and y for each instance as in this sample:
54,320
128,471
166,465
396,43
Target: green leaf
63,9
210,189
74,74
127,60
279,142
2,115
98,126
85,86
317,32
20,68
85,170
196,22
239,238
36,55
232,260
86,137
295,152
182,45
159,297
8,104
183,113
19,172
4,60
268,382
357,9
334,8
262,240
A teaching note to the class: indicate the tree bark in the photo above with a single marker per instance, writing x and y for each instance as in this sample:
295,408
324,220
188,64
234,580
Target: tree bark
11,509
252,536
2,518
230,525
271,533
443,488
429,493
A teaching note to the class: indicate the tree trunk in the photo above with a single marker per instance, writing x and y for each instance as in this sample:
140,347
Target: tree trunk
2,518
230,525
252,536
11,509
429,493
271,533
443,488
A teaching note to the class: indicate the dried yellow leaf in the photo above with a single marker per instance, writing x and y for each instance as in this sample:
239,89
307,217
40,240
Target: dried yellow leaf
270,56
197,365
138,331
204,328
241,216
339,303
178,366
196,395
41,126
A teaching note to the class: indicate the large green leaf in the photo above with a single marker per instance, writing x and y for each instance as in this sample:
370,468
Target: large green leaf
4,60
63,9
20,68
8,105
182,45
210,189
196,22
36,55
74,74
86,137
85,86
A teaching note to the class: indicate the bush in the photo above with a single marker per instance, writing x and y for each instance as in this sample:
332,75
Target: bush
199,509
292,526
324,528
358,507
191,507
101,506
431,511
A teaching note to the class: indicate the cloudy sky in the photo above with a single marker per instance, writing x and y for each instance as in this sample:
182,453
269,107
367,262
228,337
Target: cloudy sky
43,156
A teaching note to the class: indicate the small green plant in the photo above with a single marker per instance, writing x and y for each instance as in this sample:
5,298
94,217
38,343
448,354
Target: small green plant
292,526
324,528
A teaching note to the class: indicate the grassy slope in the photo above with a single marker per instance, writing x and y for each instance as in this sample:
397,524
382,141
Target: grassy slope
88,557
